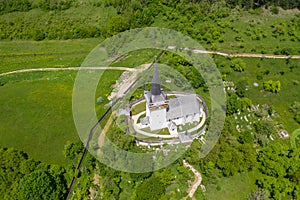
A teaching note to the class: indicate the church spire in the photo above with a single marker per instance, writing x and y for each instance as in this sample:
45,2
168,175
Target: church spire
156,87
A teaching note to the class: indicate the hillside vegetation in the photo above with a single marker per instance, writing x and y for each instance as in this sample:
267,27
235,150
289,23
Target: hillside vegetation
241,25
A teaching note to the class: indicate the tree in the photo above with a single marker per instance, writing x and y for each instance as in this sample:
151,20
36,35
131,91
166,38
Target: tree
246,138
72,149
116,24
233,104
240,88
245,103
264,127
278,170
150,189
238,65
40,185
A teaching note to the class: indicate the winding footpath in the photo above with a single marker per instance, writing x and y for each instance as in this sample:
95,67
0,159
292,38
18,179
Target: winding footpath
66,69
199,51
196,183
202,51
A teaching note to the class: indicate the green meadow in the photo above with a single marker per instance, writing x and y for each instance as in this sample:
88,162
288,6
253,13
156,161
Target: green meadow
36,112
235,187
16,55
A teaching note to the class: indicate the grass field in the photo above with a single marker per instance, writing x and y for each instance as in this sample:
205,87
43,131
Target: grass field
238,186
37,105
17,55
137,58
36,112
138,108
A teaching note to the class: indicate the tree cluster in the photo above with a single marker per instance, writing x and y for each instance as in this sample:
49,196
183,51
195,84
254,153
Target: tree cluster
252,4
279,171
235,103
24,178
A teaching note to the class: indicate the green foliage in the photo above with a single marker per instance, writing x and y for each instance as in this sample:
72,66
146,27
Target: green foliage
72,149
272,86
286,4
238,65
284,51
54,4
11,168
41,185
241,88
234,103
120,139
278,168
237,158
295,109
153,184
115,25
185,68
263,129
274,10
231,155
23,178
246,138
14,5
245,103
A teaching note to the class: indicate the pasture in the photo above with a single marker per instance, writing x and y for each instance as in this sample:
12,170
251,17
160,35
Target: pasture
36,112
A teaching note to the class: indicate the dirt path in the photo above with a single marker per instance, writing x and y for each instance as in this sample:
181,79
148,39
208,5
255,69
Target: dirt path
67,69
196,183
105,129
200,51
169,47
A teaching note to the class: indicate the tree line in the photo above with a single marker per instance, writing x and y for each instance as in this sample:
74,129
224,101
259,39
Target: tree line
53,22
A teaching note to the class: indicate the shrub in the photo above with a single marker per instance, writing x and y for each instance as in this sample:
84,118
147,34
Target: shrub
238,65
274,10
272,86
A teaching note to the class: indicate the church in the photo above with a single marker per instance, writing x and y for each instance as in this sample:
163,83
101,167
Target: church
162,112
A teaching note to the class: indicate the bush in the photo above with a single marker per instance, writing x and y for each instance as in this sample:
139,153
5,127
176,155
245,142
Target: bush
272,86
238,65
275,10
38,35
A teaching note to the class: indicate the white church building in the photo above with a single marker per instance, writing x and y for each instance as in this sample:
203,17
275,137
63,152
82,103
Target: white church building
162,112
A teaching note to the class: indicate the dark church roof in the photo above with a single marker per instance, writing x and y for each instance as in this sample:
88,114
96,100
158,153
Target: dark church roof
156,86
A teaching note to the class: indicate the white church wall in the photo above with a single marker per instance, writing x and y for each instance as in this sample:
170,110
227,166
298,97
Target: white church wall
196,117
158,119
147,111
201,111
189,119
178,121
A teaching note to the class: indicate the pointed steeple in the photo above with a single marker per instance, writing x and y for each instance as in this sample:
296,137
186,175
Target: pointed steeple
156,86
